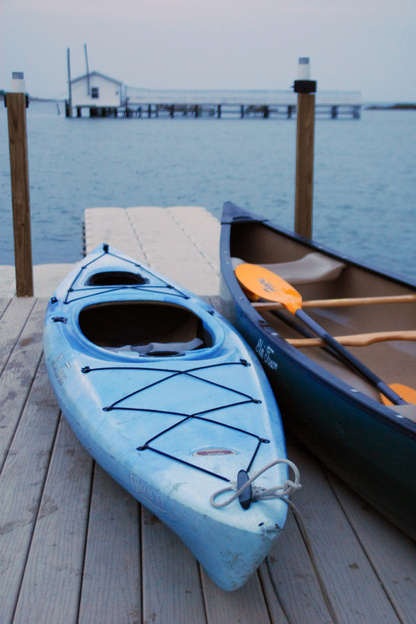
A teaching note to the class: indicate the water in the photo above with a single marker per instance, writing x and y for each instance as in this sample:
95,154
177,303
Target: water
364,193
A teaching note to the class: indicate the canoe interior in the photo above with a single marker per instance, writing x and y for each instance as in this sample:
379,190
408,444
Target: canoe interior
130,323
393,361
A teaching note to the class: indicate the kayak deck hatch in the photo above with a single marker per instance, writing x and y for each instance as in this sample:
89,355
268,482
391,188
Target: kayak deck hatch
116,278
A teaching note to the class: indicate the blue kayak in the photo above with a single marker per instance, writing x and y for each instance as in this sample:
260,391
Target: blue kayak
170,401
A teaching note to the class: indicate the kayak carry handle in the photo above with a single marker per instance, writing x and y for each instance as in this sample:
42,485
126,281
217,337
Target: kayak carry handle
246,496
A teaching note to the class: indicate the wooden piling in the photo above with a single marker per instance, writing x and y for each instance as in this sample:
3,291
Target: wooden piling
19,172
69,106
304,156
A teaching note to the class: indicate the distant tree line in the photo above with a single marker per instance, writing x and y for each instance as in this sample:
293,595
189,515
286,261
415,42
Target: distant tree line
392,107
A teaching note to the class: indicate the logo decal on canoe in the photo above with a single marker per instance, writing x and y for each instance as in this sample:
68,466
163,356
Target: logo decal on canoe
144,491
213,451
266,353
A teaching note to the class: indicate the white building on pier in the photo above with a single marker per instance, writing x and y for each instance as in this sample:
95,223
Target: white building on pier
96,90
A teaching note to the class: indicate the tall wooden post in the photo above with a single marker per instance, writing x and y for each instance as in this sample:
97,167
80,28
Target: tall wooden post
17,103
305,88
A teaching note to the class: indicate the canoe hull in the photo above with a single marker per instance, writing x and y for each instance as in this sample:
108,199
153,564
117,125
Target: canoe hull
171,427
370,447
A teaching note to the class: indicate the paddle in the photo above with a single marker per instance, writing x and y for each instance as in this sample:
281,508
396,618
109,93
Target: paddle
260,282
333,303
409,393
356,340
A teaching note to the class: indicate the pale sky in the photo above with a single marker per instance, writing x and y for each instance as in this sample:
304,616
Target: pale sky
358,45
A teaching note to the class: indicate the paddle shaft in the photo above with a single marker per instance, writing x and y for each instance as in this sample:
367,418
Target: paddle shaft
356,340
334,303
351,359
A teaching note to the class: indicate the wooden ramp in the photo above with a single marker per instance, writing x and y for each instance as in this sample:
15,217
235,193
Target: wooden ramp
75,548
181,242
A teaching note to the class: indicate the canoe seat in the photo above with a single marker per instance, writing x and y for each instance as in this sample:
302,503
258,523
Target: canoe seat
314,267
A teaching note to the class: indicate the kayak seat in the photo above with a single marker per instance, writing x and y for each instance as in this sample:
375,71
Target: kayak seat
160,348
314,267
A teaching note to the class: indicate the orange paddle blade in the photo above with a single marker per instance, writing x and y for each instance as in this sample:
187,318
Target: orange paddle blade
407,393
260,283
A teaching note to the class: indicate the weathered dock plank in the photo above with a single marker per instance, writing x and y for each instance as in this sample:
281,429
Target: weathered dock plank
21,333
46,279
111,581
245,605
21,486
351,582
51,584
171,582
290,580
391,554
12,320
4,302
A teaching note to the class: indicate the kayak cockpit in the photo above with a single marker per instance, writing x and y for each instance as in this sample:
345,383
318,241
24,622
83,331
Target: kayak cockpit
147,328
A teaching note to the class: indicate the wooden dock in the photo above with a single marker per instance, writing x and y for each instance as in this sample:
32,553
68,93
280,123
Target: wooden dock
243,104
76,549
217,111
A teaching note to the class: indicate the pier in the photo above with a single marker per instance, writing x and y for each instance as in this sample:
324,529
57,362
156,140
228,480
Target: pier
262,104
77,549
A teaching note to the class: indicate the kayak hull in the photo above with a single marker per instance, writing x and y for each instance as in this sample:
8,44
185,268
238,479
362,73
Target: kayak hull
170,401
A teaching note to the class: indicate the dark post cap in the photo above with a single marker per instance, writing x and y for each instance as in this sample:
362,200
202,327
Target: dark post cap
305,86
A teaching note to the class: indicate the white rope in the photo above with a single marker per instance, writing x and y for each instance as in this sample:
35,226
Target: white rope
278,491
281,492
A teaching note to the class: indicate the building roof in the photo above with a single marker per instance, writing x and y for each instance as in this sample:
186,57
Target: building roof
94,73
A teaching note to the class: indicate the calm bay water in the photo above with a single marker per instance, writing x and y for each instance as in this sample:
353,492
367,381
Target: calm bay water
365,177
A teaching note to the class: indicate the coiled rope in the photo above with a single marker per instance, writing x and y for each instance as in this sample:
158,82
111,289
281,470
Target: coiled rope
278,491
